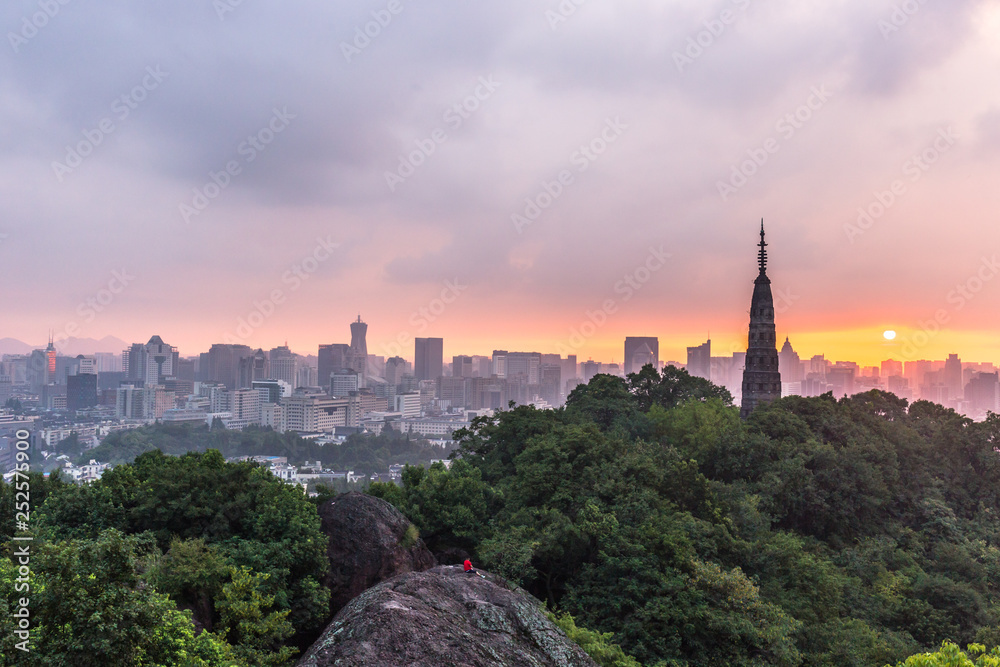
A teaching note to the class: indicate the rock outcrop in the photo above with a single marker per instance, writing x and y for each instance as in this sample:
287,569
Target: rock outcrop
369,541
443,617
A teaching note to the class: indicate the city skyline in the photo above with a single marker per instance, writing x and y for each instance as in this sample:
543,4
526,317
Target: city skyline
180,171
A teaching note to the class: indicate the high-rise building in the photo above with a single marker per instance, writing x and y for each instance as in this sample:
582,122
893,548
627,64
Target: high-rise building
983,393
395,369
462,367
761,377
359,348
789,364
590,368
148,364
305,376
333,358
222,364
498,363
890,367
639,351
699,360
568,368
81,391
253,367
953,376
524,367
50,361
428,358
451,391
343,383
282,363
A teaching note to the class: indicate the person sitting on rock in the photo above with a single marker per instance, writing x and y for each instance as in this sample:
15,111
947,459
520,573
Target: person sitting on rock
468,567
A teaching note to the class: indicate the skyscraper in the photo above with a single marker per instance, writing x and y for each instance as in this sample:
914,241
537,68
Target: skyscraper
640,351
359,348
761,378
699,361
335,357
789,363
428,358
282,363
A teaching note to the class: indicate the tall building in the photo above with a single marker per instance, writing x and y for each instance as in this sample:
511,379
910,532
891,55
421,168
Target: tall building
640,351
332,358
568,365
428,358
524,367
253,367
282,363
50,361
359,348
983,393
462,367
590,368
953,376
498,363
699,361
223,364
891,367
761,377
81,391
148,364
789,364
395,369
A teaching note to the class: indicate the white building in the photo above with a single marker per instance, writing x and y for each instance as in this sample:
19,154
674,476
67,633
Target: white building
408,404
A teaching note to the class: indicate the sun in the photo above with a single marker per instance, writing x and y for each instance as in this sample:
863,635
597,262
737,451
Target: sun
889,335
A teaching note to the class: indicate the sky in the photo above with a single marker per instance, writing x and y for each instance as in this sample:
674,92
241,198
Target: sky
527,175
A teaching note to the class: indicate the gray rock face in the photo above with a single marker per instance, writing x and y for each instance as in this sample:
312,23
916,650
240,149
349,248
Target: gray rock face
443,617
369,541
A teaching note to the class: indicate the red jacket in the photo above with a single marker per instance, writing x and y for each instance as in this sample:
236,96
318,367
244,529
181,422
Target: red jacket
467,565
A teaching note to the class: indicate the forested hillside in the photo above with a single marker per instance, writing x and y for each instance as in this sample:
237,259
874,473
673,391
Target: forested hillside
820,532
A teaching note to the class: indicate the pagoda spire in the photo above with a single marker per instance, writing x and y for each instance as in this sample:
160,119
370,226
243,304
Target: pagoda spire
762,255
761,377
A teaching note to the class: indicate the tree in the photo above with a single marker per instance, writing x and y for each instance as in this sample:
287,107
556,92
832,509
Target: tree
90,606
250,621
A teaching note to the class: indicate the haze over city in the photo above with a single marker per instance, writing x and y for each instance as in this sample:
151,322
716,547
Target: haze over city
519,161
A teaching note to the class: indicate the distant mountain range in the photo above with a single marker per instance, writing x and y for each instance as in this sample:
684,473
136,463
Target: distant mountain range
68,348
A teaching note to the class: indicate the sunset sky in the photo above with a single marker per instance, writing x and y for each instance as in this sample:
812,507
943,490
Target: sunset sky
652,137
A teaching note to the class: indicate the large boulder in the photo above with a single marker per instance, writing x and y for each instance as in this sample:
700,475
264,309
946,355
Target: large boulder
443,617
369,541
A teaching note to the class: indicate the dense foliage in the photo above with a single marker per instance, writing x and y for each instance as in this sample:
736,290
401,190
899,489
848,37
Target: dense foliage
363,453
819,532
233,545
